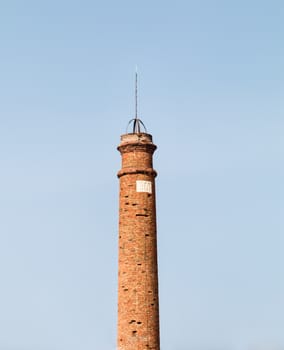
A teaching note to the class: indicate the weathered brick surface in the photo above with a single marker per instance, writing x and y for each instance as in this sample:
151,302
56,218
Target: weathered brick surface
138,304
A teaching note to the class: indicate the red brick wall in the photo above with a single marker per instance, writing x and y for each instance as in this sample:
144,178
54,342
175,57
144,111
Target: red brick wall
138,304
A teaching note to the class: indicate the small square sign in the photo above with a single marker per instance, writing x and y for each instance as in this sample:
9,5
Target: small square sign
143,186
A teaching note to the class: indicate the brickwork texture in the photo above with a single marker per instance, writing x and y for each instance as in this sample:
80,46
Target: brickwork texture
138,303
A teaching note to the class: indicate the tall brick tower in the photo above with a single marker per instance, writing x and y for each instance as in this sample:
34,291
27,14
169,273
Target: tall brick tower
138,303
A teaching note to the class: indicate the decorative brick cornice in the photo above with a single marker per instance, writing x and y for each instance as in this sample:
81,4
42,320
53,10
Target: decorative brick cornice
138,147
128,171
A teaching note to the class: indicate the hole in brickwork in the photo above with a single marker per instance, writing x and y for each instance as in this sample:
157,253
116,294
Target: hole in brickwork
134,333
126,203
134,204
146,215
126,196
152,304
132,321
147,235
125,289
139,264
139,322
149,195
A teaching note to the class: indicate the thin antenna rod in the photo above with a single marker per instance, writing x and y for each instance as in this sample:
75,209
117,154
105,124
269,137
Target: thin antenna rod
136,94
136,122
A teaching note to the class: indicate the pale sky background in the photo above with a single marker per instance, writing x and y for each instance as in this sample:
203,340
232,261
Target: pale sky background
211,86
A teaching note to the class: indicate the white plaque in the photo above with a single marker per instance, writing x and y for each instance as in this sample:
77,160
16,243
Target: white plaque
143,186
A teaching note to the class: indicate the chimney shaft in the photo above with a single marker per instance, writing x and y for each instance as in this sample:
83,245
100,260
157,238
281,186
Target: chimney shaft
138,302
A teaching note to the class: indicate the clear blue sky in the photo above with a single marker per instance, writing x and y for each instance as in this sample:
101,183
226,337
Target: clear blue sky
211,85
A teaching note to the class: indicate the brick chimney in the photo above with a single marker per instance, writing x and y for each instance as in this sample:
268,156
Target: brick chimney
138,303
